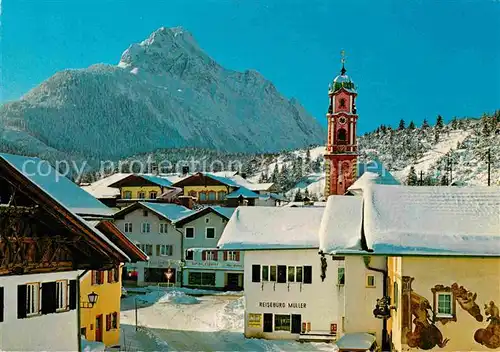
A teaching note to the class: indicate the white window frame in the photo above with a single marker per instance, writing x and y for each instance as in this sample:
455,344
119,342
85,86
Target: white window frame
33,299
185,231
444,315
188,251
368,282
128,227
231,256
146,226
164,252
206,233
162,227
61,295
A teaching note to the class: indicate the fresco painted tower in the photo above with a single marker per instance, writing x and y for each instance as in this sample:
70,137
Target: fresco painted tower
341,149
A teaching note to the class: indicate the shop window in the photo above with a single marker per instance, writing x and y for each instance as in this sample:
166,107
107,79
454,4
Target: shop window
308,274
201,279
291,274
272,273
282,322
265,273
298,274
255,273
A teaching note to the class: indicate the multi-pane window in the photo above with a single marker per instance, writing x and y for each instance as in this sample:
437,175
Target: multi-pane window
166,249
61,295
210,232
189,254
203,196
128,227
152,195
113,275
210,255
32,299
97,277
444,306
127,195
114,320
221,195
265,273
211,195
141,195
298,274
146,248
201,279
340,276
163,228
189,232
291,274
233,256
283,273
146,227
272,273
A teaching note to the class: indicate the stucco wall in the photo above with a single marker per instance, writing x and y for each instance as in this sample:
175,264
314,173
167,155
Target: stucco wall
51,332
172,237
135,190
477,284
200,240
108,302
315,301
360,300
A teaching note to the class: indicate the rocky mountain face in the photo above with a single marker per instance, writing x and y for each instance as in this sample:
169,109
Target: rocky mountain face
164,93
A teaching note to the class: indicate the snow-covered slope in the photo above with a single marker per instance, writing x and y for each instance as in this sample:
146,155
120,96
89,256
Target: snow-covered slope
164,93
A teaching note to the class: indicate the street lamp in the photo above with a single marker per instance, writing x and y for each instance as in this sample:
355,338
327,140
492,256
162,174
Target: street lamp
92,297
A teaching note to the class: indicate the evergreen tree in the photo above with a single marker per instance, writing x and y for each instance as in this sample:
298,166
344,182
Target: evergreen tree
439,122
275,174
425,124
383,128
412,178
401,125
444,180
306,194
486,130
436,137
454,123
308,157
298,196
412,125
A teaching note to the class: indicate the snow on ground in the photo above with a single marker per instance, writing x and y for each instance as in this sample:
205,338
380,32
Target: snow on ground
315,184
433,155
215,323
91,346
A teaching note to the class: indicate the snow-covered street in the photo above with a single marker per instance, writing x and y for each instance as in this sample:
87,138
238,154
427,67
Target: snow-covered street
174,321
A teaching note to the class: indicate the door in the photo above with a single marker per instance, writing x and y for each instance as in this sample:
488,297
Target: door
98,328
296,323
268,322
232,281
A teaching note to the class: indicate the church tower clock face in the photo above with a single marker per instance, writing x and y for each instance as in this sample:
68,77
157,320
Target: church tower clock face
342,120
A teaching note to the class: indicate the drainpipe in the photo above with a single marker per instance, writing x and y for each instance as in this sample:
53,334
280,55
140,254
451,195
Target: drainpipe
385,339
182,254
78,308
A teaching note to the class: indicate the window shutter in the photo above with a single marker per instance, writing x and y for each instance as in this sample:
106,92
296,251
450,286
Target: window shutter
21,301
204,255
49,297
93,277
237,256
225,255
158,250
101,280
72,295
110,276
117,274
170,250
216,255
308,274
256,273
1,304
115,320
108,322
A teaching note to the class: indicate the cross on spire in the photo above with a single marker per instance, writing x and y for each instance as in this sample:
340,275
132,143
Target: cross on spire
342,54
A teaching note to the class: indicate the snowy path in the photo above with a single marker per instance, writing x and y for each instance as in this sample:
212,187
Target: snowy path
215,324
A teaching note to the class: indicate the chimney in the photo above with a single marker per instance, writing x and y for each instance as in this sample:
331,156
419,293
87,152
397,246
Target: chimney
185,170
186,201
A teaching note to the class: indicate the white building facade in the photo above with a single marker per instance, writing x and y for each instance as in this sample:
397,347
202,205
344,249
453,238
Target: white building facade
29,303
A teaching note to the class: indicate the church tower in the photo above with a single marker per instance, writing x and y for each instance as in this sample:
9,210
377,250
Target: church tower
341,149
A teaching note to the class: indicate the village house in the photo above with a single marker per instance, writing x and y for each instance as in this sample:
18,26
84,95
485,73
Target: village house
285,297
46,249
150,226
204,266
437,251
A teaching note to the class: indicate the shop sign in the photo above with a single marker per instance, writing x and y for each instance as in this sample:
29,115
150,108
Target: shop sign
292,305
254,320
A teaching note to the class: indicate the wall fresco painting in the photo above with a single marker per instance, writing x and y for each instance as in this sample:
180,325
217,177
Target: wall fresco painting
490,337
419,318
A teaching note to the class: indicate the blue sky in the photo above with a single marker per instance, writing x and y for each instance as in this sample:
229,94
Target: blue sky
410,59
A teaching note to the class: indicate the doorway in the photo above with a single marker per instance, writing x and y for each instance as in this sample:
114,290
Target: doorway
233,281
98,328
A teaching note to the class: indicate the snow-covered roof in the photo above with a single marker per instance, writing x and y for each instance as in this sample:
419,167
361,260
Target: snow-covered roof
160,181
242,192
255,228
57,186
169,211
275,196
224,211
250,185
341,224
369,178
305,205
100,189
432,220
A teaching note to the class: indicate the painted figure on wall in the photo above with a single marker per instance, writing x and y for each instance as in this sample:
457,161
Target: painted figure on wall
466,299
490,337
421,331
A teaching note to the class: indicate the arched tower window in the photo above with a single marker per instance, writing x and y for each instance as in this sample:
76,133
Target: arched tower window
342,103
342,136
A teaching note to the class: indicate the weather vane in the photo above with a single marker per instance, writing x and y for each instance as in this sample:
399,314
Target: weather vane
342,54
